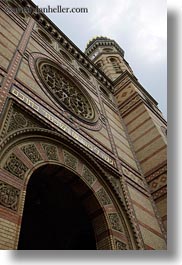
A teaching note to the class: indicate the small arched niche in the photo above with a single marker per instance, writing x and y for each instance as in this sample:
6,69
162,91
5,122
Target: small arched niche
45,36
65,55
84,73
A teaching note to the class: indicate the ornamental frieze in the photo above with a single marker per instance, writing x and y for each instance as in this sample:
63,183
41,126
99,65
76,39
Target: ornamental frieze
62,126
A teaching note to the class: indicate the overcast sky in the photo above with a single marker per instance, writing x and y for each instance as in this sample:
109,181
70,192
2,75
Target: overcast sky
138,26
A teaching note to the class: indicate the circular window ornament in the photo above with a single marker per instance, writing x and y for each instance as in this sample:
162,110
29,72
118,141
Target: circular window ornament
66,91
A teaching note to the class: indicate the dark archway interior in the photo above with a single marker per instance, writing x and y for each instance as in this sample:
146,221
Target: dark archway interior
54,216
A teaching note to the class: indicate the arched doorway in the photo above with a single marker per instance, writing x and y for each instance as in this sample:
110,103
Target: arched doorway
54,215
34,163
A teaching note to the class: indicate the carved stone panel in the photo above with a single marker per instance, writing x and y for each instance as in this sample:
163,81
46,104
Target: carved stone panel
103,197
31,152
15,166
51,151
88,176
120,245
115,222
19,120
9,196
70,160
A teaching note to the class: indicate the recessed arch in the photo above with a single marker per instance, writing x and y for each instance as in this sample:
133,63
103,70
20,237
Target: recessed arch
116,234
45,36
65,55
84,73
115,63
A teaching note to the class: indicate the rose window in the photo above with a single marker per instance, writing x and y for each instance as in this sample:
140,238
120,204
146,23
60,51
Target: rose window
66,91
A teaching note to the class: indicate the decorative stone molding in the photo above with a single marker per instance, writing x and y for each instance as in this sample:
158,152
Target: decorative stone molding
115,183
160,193
133,177
157,173
132,216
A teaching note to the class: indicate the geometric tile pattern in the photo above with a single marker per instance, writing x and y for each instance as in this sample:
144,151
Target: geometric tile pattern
158,183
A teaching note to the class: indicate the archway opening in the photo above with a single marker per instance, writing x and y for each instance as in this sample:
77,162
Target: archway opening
54,215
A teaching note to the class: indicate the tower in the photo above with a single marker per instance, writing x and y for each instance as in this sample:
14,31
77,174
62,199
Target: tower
81,143
108,56
145,125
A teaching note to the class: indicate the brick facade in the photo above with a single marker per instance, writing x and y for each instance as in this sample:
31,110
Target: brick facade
117,161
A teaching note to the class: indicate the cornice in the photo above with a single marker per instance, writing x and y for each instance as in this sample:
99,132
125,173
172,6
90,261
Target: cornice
102,41
62,39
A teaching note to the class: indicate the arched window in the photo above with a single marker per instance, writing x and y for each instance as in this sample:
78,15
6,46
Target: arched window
99,64
115,65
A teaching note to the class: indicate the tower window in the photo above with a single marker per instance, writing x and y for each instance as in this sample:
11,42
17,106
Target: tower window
115,65
99,64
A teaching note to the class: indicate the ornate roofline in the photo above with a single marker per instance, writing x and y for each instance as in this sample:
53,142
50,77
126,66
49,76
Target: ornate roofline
60,37
102,41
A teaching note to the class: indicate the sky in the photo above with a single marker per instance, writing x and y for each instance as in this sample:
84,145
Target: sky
138,26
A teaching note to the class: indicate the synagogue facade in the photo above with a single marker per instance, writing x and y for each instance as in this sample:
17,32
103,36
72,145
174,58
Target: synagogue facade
83,161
